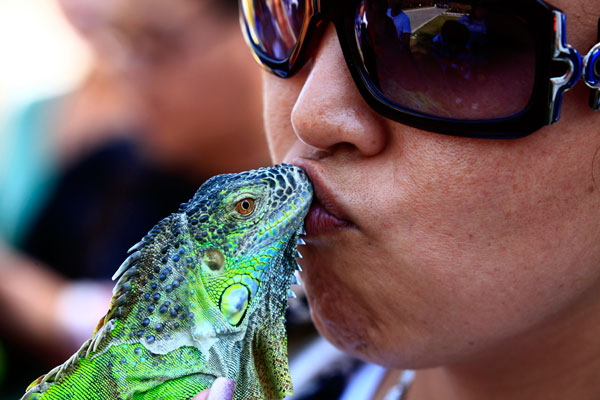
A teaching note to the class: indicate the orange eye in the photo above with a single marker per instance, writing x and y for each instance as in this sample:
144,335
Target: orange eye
245,206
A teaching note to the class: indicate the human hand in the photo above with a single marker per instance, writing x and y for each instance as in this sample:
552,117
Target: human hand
79,305
221,389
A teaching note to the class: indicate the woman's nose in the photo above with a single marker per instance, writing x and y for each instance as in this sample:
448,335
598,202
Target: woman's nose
329,111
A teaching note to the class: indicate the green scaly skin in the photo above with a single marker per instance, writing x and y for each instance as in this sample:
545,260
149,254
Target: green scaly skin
203,295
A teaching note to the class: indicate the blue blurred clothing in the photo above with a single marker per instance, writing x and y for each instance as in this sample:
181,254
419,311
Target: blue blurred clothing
29,168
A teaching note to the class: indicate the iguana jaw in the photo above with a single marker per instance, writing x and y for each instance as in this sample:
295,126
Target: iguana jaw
269,340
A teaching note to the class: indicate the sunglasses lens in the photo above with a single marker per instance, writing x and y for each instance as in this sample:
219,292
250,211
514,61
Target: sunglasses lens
467,61
274,25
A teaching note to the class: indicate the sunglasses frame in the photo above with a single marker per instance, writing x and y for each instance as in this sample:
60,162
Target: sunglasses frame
548,28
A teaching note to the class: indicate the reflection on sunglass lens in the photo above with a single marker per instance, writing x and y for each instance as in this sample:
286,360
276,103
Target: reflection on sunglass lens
467,61
274,25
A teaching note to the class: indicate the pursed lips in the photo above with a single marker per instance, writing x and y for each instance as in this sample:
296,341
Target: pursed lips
325,214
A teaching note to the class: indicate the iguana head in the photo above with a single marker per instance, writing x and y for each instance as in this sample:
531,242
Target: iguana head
245,228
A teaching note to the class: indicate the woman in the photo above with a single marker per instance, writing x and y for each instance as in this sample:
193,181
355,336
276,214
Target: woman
473,260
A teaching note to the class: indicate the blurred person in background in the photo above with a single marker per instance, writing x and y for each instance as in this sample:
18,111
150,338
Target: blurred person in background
43,140
178,100
199,92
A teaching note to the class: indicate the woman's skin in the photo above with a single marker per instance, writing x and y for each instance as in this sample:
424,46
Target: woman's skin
476,261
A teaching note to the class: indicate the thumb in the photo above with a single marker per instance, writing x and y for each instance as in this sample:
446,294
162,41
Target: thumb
221,389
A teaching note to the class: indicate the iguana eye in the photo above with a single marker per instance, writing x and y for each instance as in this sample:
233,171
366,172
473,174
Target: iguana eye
245,206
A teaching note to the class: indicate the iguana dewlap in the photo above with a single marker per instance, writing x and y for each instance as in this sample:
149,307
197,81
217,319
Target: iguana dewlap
203,295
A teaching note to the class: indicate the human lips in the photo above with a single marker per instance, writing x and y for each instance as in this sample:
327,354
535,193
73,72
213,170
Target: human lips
319,221
325,214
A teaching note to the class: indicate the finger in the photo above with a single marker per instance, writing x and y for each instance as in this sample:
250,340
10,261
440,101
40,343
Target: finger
203,395
222,389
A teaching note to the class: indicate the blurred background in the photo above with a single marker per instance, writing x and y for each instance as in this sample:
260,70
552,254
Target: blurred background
42,56
112,113
26,45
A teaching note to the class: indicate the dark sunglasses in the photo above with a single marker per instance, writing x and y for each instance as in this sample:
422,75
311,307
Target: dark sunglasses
478,68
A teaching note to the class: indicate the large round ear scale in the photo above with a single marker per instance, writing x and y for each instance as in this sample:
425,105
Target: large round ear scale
592,70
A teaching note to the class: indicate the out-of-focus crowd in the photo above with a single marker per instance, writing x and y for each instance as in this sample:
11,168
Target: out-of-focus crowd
173,97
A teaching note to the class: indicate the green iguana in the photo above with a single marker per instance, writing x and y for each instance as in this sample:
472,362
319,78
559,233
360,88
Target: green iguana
201,296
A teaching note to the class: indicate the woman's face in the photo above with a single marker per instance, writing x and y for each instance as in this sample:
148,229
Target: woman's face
429,249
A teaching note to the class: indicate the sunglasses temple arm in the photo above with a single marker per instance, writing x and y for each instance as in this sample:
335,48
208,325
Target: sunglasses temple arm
590,73
566,54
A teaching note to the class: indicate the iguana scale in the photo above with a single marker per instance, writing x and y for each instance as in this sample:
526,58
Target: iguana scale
201,296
